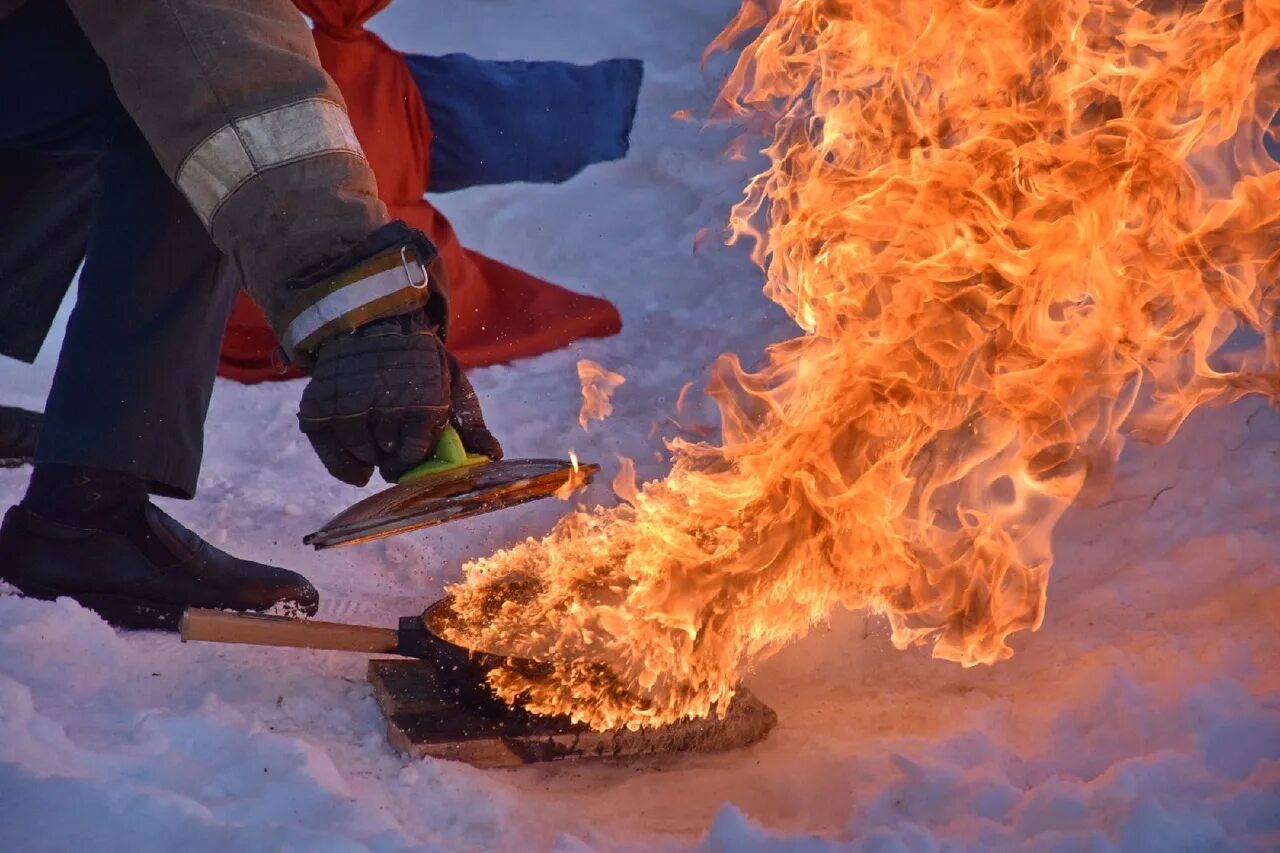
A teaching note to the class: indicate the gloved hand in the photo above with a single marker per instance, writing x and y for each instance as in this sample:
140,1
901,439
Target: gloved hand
382,395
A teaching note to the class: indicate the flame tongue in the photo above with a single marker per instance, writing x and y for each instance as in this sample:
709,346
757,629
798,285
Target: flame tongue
598,386
576,479
1011,233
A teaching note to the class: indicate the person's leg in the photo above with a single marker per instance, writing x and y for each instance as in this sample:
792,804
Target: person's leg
137,366
138,360
18,432
126,411
48,204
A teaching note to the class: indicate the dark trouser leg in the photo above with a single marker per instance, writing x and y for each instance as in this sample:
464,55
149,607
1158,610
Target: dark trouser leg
138,361
129,397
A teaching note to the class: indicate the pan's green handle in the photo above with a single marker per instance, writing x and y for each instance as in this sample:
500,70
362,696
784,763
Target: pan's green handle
449,454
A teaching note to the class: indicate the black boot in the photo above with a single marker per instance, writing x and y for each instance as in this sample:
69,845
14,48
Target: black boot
19,430
144,579
94,536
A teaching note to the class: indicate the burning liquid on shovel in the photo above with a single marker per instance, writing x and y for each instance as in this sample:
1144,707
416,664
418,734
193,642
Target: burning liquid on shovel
1011,234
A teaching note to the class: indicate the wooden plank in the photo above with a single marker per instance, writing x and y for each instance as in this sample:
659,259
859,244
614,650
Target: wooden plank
422,722
409,687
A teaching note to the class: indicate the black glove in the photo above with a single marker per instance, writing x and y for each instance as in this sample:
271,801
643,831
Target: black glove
381,396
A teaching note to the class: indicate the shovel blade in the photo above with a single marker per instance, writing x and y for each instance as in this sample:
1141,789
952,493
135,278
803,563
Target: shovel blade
450,495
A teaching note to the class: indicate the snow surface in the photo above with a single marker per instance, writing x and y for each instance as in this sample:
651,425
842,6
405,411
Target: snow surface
1144,715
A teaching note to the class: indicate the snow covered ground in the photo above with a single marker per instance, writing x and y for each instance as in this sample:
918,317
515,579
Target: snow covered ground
1145,715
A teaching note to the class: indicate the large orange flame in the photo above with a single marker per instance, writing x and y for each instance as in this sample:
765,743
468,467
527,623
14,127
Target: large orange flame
1011,233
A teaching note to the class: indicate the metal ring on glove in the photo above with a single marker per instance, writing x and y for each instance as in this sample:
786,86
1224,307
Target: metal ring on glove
404,262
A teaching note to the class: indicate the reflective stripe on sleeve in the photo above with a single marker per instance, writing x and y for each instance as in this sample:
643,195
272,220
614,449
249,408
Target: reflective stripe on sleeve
356,303
248,146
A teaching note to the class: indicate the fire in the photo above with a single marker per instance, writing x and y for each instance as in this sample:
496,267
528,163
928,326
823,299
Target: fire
575,480
1011,234
598,386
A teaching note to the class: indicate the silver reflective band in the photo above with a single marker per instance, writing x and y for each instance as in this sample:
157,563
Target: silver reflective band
248,146
342,302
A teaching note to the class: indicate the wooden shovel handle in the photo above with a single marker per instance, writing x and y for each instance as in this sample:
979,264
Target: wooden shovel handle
219,626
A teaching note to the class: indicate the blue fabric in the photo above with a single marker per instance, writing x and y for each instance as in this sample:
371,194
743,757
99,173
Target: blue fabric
541,122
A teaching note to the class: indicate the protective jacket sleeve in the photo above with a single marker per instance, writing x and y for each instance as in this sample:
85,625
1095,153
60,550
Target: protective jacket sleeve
231,97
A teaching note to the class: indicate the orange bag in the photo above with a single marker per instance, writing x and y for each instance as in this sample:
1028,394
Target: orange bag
498,313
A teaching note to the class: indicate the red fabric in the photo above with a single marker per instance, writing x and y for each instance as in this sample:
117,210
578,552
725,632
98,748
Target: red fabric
499,313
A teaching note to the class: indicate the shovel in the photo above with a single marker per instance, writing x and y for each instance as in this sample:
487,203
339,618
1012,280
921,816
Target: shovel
453,484
461,671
